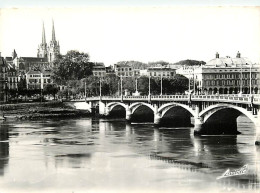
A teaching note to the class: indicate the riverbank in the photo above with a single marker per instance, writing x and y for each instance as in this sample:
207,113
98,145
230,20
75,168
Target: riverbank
53,109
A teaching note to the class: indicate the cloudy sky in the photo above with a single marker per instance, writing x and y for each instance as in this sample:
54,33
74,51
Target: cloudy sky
133,31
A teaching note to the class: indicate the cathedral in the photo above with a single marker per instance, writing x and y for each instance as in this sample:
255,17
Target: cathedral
50,51
46,54
37,71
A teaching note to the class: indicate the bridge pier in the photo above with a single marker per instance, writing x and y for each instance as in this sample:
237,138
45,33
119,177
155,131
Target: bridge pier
128,114
157,116
198,125
107,111
157,119
198,122
102,108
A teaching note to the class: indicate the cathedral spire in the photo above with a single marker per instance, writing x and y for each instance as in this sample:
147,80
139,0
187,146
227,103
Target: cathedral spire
53,32
43,34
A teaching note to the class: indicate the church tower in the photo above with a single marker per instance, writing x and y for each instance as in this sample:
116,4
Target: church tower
42,49
54,47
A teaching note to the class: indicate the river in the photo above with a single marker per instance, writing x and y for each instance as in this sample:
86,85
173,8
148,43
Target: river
110,155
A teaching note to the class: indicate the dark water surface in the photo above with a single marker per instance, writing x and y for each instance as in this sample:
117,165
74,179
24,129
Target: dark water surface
87,155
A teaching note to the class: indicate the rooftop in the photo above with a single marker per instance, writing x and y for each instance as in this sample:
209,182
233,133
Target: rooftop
33,59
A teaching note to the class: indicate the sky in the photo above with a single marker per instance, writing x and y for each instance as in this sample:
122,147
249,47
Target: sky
144,32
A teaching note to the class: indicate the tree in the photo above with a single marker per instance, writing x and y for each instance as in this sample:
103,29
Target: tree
110,84
190,62
50,89
74,65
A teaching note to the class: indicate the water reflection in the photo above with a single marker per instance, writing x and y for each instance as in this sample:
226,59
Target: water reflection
4,147
94,153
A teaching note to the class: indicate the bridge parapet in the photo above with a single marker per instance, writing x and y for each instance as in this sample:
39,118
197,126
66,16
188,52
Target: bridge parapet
232,98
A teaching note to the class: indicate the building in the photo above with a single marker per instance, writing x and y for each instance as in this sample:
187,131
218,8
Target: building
164,72
99,70
46,54
37,79
35,70
12,78
3,79
186,71
124,70
226,75
109,70
129,69
159,72
51,51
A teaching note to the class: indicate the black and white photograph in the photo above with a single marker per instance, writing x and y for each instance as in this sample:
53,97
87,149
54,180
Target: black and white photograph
129,96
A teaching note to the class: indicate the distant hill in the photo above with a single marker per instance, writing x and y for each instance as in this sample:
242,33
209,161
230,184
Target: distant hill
189,63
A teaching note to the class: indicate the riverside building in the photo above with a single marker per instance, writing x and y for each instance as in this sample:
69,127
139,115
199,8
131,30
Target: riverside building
3,79
226,75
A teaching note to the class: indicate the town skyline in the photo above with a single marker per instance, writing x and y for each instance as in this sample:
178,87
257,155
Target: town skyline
144,34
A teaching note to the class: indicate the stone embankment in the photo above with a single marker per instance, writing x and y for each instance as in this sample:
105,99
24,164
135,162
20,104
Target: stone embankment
54,109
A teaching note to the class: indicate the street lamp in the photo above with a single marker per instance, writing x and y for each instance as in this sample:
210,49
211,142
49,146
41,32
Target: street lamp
121,80
161,85
241,80
149,85
250,79
189,80
136,85
194,84
100,94
85,89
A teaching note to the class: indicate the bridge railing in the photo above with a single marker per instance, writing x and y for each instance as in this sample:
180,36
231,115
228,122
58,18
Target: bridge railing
222,98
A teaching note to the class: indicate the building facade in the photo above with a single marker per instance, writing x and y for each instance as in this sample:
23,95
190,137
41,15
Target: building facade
51,51
226,75
3,79
46,54
159,72
36,79
34,71
123,70
99,70
12,78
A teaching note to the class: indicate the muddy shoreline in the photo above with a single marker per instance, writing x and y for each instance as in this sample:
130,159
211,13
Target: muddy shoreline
31,111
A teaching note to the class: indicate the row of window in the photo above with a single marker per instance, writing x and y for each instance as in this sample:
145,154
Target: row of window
215,76
39,80
229,82
124,69
13,79
35,75
124,73
99,73
11,73
161,74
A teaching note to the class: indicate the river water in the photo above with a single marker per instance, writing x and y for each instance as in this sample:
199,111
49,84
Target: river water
99,155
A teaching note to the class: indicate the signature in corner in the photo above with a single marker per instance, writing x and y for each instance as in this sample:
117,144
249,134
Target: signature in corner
236,172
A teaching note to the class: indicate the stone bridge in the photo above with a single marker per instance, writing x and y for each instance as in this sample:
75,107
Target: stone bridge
212,114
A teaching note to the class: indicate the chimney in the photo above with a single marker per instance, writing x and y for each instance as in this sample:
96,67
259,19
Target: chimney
217,55
238,54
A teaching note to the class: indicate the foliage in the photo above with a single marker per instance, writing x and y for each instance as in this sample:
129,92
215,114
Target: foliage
158,63
50,89
74,65
190,63
134,64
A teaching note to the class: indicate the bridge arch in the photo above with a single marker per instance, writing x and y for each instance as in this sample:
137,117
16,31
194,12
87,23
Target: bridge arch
166,107
112,105
211,110
136,105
